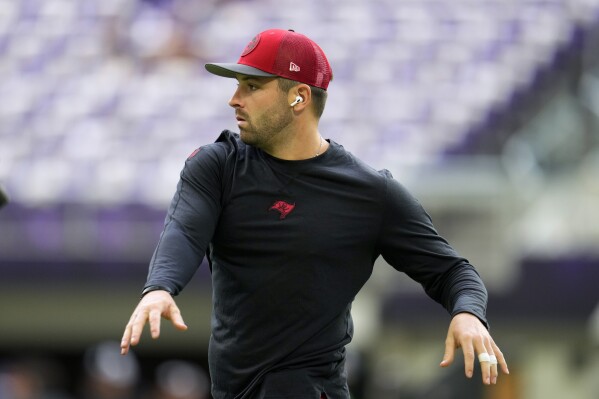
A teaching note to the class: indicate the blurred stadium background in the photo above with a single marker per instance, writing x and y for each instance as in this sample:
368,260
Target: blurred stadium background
487,110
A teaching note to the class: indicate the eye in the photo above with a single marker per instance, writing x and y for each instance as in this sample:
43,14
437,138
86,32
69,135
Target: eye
248,85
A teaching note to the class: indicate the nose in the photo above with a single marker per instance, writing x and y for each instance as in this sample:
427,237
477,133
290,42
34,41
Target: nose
234,101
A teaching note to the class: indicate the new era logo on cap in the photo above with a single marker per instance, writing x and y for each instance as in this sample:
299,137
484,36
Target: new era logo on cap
279,52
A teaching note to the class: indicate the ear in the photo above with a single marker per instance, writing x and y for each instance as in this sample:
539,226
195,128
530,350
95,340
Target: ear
304,92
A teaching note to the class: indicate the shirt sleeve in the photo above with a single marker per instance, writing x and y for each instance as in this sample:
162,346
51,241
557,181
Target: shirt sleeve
410,243
190,221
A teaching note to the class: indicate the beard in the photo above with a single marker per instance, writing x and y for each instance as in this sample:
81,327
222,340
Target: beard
263,130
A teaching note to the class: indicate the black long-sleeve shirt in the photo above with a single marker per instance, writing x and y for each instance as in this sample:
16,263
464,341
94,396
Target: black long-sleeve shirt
290,244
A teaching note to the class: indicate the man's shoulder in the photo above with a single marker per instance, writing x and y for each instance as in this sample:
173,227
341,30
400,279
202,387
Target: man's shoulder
356,163
228,138
225,144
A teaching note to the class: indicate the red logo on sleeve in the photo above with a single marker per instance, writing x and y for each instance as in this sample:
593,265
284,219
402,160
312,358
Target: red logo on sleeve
193,154
284,208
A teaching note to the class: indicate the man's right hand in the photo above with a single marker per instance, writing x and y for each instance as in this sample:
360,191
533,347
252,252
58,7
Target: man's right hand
152,307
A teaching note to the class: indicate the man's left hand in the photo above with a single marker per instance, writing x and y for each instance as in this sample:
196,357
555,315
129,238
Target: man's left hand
466,331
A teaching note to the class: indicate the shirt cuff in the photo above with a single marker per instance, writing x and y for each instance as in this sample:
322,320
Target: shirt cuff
155,288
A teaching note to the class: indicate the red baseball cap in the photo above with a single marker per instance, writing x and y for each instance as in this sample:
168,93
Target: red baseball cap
279,52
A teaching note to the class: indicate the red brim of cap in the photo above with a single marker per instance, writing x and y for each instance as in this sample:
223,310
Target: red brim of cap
232,70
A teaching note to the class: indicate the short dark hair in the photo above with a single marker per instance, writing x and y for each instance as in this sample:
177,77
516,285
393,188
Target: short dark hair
319,96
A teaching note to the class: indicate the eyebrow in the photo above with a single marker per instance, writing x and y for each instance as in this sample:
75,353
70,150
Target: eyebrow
245,78
257,79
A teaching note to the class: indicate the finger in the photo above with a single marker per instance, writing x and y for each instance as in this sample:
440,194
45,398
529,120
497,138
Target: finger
492,362
137,325
500,359
485,366
177,319
126,340
449,354
497,360
469,355
155,323
127,334
493,369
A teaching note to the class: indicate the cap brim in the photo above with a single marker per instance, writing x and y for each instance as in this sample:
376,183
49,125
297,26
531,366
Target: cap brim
232,70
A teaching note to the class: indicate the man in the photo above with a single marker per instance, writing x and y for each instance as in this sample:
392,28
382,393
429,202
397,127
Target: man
291,224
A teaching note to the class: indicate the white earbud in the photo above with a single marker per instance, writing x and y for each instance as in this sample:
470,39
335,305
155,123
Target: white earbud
298,99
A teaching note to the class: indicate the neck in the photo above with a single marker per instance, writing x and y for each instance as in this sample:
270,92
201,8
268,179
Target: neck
319,146
299,144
